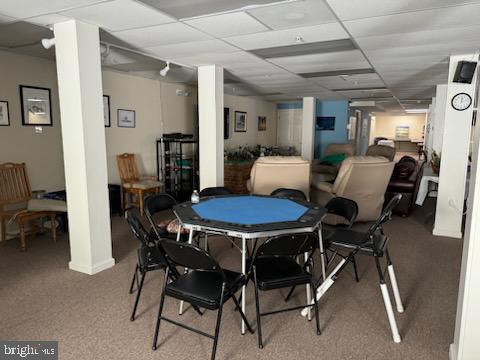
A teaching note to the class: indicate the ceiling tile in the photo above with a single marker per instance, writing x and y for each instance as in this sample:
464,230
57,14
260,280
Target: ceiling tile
344,60
166,34
225,25
447,37
22,9
46,20
357,9
226,59
188,8
267,39
21,33
6,19
188,48
294,14
450,17
120,15
348,82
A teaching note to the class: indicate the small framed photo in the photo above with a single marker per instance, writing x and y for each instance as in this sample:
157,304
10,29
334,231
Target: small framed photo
4,114
126,118
36,106
240,121
262,123
106,111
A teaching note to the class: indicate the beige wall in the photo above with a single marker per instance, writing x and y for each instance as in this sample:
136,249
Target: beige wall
253,108
158,110
42,153
385,125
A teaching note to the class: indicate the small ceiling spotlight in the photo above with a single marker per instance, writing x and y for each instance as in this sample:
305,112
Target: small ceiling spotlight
165,70
48,43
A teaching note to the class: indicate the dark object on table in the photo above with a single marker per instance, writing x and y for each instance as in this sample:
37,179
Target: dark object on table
289,193
206,285
274,267
371,243
148,256
405,180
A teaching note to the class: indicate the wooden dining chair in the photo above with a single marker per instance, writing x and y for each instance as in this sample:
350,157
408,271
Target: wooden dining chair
133,183
15,190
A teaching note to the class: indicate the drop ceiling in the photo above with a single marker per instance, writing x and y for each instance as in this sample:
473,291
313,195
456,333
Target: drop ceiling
393,51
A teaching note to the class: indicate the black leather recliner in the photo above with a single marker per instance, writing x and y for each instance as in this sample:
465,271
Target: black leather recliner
405,180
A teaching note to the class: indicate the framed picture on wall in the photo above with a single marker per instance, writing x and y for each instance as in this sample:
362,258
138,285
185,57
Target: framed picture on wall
126,118
106,111
226,123
240,121
262,123
325,123
36,106
4,114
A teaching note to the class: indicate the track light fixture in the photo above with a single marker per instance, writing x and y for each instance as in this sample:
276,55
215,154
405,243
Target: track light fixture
48,43
165,70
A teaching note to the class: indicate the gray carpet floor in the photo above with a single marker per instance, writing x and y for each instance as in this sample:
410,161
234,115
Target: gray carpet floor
40,299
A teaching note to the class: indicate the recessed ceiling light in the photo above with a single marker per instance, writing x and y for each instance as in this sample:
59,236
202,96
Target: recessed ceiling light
294,16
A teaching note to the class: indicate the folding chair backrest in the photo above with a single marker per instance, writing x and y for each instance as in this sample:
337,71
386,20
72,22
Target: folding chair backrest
346,208
14,184
158,202
215,191
386,214
189,256
137,227
127,168
289,193
287,245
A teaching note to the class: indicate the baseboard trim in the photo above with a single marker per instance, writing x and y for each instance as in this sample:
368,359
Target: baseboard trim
452,353
447,232
91,270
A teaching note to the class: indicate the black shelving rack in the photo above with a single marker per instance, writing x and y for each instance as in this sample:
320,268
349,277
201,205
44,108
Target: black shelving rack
177,167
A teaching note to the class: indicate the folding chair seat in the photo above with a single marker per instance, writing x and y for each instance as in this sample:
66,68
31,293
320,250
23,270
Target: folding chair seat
206,285
204,288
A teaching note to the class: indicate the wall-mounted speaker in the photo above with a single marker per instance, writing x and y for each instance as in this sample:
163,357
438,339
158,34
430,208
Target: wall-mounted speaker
465,71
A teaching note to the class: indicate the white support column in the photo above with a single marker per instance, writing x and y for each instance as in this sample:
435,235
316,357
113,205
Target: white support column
77,51
455,149
465,344
439,119
308,127
210,113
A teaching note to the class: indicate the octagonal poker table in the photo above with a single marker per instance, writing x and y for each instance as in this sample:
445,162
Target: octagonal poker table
250,217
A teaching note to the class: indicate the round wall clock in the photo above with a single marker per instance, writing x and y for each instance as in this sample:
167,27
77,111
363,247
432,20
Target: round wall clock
461,101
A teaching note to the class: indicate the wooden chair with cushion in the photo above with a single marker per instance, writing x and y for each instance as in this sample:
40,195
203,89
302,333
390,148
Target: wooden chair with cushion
17,205
133,183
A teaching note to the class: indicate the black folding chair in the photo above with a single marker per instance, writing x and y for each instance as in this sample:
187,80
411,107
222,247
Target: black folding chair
371,243
289,193
274,267
149,258
206,285
155,204
348,210
215,191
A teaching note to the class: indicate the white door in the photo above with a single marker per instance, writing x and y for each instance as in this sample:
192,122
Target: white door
289,128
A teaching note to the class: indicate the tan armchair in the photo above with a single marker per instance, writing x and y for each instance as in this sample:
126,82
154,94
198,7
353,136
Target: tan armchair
381,150
273,172
348,149
363,179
